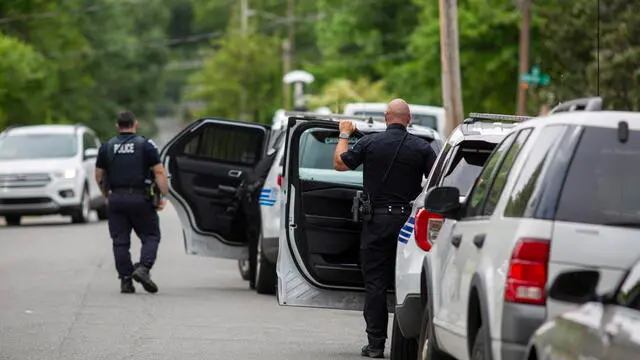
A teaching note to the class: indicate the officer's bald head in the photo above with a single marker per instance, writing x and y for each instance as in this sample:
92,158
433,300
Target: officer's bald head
398,112
126,120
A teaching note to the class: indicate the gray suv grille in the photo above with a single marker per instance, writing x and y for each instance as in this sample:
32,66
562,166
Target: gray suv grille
24,180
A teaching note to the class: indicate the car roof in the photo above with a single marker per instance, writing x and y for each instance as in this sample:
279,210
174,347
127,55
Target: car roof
42,129
609,119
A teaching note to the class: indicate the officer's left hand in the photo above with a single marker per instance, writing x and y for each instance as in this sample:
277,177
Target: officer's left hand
347,126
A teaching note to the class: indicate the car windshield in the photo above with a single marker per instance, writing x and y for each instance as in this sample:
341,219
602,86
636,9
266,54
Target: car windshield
602,182
37,146
468,160
416,119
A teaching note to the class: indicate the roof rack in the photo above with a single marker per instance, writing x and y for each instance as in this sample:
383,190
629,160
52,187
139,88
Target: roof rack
332,117
583,104
484,117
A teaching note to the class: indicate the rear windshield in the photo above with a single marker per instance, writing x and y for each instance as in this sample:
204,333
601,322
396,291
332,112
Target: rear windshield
601,186
468,160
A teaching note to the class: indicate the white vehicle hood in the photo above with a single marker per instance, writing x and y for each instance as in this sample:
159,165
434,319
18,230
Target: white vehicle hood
36,166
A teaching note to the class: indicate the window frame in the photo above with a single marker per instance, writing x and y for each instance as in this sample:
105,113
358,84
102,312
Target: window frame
198,136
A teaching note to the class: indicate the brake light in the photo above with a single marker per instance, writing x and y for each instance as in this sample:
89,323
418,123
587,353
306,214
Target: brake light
279,180
427,226
527,276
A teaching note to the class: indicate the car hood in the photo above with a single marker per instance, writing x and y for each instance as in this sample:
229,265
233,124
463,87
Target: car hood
37,165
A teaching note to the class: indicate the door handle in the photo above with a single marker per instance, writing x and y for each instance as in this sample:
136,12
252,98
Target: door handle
478,240
456,240
235,173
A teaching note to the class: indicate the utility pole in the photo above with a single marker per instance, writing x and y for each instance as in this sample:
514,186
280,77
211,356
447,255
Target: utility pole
450,60
244,28
287,51
524,55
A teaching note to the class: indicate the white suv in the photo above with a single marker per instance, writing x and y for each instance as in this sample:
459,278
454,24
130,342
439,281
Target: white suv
458,165
559,193
49,169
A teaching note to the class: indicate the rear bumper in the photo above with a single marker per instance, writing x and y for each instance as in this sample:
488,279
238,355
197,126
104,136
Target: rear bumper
270,249
409,316
519,323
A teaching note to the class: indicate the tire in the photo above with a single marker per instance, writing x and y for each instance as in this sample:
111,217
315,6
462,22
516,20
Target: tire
266,277
401,347
103,212
13,220
428,350
81,214
479,349
243,268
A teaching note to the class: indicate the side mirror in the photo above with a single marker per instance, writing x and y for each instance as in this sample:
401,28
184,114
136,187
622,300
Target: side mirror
90,153
444,201
577,287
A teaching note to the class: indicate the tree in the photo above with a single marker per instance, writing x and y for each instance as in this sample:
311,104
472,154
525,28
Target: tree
340,91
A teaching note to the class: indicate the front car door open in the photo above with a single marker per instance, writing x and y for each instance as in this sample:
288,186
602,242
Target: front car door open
207,163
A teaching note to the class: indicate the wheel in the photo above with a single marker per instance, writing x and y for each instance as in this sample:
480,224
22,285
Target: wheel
243,267
428,350
13,220
103,212
401,347
266,277
479,345
81,214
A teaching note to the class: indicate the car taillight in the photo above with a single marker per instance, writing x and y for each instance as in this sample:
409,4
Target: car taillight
279,180
527,276
427,226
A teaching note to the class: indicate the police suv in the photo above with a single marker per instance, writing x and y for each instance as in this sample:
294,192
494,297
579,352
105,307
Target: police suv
47,170
559,193
458,165
207,162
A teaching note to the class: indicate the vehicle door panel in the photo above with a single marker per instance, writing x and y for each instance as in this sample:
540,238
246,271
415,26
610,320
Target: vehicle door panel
207,163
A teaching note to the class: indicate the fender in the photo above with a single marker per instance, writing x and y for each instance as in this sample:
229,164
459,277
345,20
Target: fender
426,268
477,282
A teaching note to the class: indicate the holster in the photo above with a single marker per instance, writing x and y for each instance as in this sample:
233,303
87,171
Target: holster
366,209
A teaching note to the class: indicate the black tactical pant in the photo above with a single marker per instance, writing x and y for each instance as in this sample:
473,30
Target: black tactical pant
133,212
378,258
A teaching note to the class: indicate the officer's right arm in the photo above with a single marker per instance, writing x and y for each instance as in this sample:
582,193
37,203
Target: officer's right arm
158,169
350,159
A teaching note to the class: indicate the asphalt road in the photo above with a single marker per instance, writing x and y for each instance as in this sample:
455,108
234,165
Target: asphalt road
59,299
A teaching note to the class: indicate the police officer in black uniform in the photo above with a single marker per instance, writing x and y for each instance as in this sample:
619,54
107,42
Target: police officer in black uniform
394,163
126,167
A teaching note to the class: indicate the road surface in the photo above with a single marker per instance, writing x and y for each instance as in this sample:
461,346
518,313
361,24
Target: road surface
59,299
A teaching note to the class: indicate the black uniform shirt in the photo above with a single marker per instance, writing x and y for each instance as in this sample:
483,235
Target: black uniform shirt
122,173
403,184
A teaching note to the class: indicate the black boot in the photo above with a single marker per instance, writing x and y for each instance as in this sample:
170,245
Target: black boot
126,286
141,275
369,351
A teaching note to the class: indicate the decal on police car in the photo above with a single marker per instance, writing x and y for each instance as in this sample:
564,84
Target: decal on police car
268,197
406,231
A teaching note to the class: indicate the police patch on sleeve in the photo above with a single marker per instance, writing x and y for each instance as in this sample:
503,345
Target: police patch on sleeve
152,143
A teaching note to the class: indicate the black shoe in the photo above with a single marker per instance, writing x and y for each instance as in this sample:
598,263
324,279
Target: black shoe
141,275
126,286
368,351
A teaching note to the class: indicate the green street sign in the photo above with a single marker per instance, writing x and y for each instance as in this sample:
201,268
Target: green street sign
536,77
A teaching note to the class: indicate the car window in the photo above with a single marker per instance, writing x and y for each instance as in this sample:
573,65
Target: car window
229,144
317,147
528,177
416,119
601,185
38,146
88,142
437,171
629,292
503,172
478,193
467,160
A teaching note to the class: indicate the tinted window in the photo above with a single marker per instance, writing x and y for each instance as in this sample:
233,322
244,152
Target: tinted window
478,194
601,186
437,171
38,146
528,178
317,147
466,163
629,293
503,172
88,141
235,145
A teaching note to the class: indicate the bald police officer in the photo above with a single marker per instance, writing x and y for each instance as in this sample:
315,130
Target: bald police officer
125,168
394,163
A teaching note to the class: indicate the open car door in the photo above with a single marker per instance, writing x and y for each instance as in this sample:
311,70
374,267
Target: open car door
206,164
318,261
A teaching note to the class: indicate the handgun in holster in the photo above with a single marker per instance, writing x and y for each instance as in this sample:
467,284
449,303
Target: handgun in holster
361,208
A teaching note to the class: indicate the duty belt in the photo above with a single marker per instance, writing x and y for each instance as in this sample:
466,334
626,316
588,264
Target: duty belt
129,190
393,210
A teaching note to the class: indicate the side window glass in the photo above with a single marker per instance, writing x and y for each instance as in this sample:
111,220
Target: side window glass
478,193
629,293
316,150
229,144
528,177
503,172
438,166
87,142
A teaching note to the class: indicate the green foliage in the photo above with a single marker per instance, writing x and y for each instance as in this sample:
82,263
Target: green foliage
341,91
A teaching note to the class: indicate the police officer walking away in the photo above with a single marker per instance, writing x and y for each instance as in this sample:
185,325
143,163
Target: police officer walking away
394,162
125,168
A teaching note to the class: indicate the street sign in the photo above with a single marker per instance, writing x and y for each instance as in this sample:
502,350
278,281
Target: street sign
536,77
